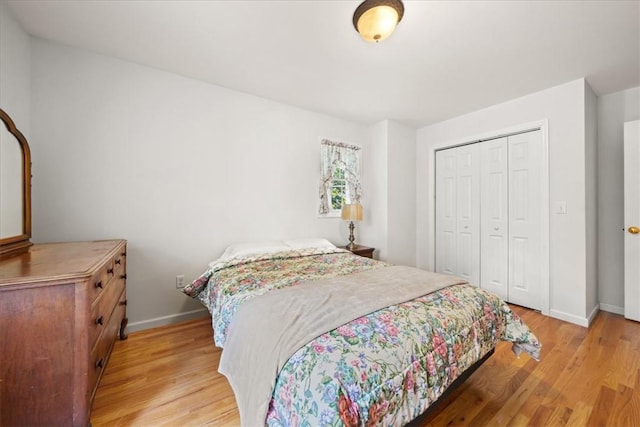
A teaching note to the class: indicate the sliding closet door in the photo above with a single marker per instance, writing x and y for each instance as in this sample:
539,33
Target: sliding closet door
468,212
458,212
494,229
525,236
446,162
489,215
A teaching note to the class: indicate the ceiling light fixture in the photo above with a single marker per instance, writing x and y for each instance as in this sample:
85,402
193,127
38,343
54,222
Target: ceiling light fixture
375,20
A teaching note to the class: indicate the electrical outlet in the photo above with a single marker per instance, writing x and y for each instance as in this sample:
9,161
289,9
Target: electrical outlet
179,281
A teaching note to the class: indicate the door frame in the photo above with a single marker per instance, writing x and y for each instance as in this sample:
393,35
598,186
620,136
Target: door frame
543,126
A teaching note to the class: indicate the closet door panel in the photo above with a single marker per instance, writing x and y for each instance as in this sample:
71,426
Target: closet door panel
465,256
447,253
468,212
464,226
446,212
525,245
519,264
494,217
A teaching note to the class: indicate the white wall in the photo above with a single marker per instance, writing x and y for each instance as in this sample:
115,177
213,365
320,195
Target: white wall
15,70
613,110
375,196
178,167
591,202
390,203
401,194
564,107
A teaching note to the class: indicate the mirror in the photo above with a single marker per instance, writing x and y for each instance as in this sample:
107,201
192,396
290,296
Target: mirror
15,189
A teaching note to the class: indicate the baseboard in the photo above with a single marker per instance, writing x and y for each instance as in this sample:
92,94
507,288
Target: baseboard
571,318
166,320
612,309
593,314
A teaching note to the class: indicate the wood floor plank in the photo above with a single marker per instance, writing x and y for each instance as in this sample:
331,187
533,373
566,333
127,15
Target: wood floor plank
579,415
168,377
560,416
625,405
601,411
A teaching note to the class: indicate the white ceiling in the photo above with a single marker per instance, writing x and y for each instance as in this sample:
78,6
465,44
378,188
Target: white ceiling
445,59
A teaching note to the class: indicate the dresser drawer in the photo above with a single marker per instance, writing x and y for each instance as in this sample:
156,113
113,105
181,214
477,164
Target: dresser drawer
102,350
102,308
113,268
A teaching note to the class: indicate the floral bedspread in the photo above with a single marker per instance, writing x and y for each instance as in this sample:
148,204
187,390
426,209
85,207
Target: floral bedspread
225,285
384,368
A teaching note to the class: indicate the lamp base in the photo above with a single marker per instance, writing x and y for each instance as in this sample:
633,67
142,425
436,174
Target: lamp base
351,246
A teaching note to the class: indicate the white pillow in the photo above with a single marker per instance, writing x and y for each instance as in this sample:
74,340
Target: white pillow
314,242
243,250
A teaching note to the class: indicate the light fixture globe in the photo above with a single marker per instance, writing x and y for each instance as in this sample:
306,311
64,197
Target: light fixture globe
375,20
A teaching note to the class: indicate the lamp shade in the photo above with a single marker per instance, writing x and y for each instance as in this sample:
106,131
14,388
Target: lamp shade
352,212
375,20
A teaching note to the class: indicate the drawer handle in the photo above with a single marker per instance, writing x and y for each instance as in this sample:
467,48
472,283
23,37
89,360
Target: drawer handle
118,261
123,276
100,320
100,364
98,284
123,302
123,254
110,271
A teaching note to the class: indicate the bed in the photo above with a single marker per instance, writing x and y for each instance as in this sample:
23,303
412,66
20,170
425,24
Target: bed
313,335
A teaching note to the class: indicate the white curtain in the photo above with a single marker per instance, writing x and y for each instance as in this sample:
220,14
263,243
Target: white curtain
339,155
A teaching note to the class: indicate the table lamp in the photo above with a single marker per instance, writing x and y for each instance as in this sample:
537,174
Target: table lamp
352,212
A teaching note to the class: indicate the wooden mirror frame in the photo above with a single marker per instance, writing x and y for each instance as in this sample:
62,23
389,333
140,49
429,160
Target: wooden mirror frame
13,245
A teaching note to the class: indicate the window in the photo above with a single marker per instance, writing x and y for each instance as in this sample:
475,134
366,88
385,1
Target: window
340,176
338,186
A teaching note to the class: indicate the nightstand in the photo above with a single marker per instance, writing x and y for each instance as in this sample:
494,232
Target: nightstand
364,251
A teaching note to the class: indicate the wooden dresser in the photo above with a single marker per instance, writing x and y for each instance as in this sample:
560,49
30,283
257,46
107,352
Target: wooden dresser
62,306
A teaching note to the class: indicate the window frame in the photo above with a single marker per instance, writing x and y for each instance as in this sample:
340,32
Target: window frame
351,187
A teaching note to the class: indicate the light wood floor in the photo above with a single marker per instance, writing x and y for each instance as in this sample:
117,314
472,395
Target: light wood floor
168,377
